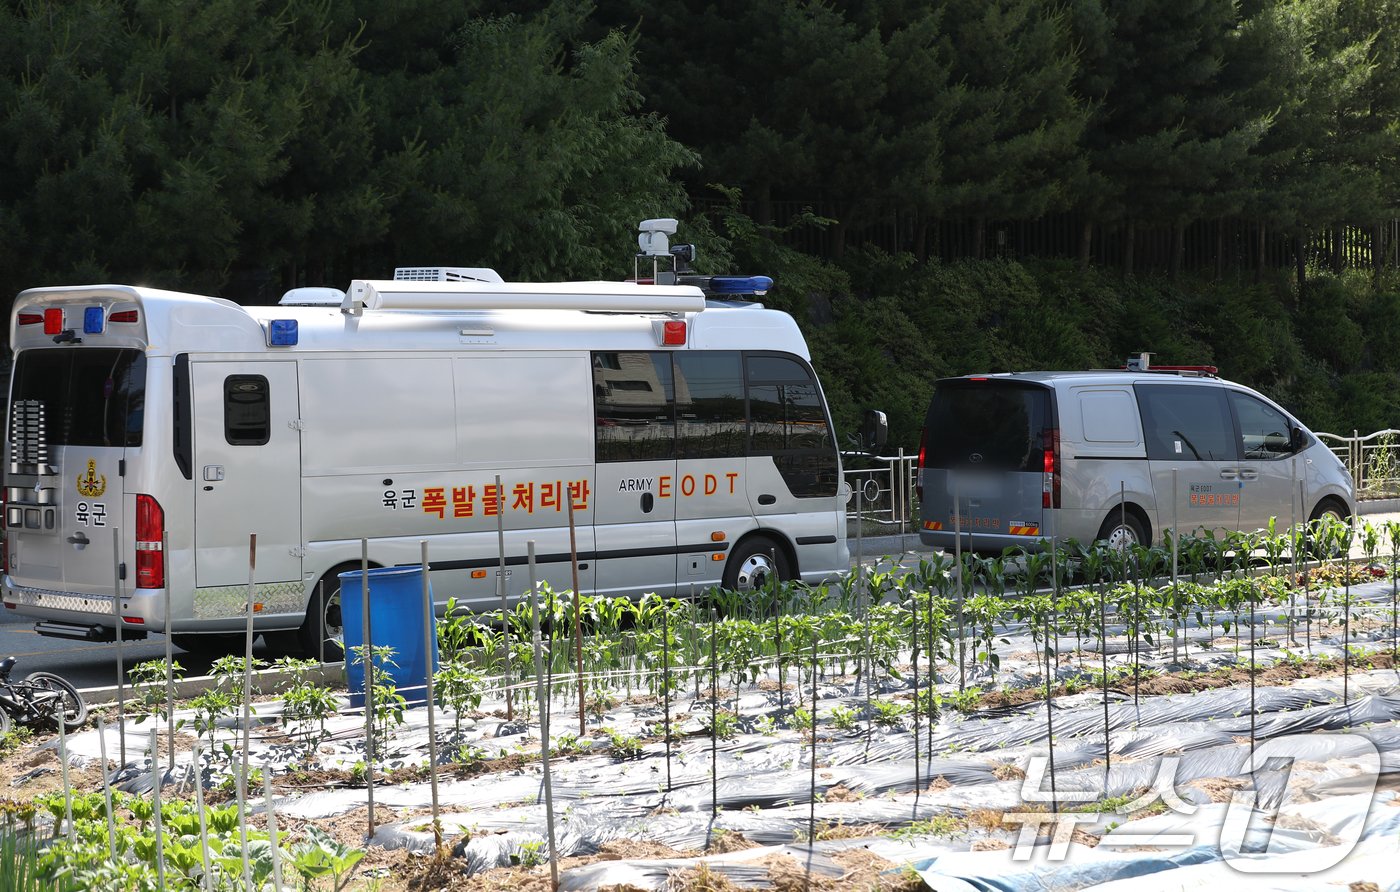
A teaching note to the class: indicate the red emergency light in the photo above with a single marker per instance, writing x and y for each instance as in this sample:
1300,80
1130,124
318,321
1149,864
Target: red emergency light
673,333
53,320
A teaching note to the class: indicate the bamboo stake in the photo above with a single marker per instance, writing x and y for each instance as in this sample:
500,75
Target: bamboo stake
169,661
155,803
578,617
107,789
117,619
272,826
207,877
501,591
367,660
544,718
242,786
429,630
665,686
67,783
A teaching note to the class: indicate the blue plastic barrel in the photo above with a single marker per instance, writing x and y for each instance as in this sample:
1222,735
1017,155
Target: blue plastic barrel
397,615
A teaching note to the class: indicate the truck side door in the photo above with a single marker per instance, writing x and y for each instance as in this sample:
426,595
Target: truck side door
247,470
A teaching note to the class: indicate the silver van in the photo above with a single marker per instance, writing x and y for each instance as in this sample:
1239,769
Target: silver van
1010,459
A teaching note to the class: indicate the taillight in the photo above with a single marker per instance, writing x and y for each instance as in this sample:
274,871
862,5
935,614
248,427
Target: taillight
919,472
1050,485
150,553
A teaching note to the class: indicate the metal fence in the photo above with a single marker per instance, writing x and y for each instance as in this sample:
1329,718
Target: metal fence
883,486
1373,460
882,491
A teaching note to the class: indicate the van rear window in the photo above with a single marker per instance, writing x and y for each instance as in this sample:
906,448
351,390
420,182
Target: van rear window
988,425
92,396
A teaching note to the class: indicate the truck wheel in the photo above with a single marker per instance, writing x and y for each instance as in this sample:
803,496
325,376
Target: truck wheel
753,563
1121,530
322,633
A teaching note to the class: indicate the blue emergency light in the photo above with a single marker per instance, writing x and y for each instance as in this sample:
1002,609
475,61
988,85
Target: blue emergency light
740,284
282,333
92,320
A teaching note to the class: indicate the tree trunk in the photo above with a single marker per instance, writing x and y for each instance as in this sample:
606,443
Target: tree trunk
1259,260
838,238
1219,248
1178,250
1086,243
1338,249
1129,243
763,203
921,239
1377,251
1300,259
979,238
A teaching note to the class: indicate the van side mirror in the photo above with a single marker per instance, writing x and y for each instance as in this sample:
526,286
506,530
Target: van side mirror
874,430
1296,439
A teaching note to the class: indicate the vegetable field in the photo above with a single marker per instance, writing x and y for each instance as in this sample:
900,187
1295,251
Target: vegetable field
1075,716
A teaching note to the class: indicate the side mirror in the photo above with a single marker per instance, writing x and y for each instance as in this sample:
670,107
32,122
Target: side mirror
874,430
1296,439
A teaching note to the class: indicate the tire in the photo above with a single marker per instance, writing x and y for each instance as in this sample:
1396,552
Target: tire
211,647
74,709
1121,530
752,563
323,627
5,723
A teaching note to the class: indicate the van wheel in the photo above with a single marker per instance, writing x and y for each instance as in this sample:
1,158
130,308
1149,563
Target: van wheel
322,633
1121,531
754,563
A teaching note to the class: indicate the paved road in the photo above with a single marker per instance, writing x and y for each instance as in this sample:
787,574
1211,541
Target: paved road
87,665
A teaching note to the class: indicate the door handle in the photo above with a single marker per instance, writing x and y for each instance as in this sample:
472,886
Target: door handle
213,473
766,499
79,539
1229,473
1248,474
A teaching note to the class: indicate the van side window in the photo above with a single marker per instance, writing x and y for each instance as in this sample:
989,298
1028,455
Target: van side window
1264,431
710,421
1184,422
787,420
634,406
247,410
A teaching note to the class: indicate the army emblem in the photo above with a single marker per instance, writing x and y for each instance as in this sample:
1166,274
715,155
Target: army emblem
90,484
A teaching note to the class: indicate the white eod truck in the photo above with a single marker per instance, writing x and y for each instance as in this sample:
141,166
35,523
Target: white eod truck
152,432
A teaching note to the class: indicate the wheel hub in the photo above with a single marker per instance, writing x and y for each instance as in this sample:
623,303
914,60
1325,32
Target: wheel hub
754,572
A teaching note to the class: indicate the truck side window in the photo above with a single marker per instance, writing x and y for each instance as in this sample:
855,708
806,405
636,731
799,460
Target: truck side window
634,406
1264,431
247,410
788,420
1187,422
710,415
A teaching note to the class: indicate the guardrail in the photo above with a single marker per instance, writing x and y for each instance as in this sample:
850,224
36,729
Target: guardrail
1372,460
882,491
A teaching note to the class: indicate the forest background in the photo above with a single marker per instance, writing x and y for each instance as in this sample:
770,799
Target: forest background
938,187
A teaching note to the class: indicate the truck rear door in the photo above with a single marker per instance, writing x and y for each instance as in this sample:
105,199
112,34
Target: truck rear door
984,461
74,413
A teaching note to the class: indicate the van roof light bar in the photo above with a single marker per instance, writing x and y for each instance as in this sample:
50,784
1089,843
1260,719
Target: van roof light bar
1142,362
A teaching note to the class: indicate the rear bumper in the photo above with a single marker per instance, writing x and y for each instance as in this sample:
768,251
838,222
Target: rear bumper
63,612
982,542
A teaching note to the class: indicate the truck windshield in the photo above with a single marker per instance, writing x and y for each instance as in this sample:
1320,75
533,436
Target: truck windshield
92,396
987,425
